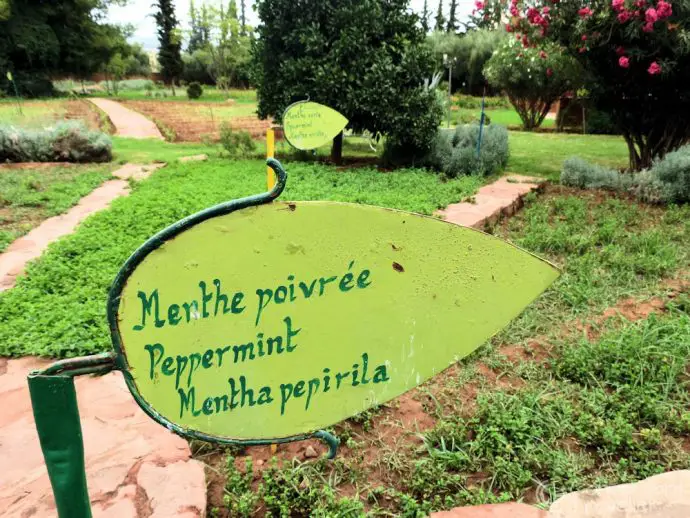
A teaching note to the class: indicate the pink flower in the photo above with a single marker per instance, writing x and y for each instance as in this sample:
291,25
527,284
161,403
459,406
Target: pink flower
620,51
479,5
639,3
650,15
549,72
582,50
648,27
585,12
618,5
623,62
543,54
654,69
509,28
663,10
546,10
624,16
584,37
514,11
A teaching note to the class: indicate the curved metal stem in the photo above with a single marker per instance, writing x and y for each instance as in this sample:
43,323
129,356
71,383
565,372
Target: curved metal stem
329,439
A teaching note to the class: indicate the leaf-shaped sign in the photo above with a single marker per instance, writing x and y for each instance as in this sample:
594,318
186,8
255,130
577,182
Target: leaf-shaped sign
309,125
281,319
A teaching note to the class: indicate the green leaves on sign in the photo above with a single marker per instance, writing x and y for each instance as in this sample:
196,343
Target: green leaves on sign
309,125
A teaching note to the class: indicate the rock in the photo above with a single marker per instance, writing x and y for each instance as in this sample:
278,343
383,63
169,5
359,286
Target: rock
310,453
134,466
661,496
194,158
511,510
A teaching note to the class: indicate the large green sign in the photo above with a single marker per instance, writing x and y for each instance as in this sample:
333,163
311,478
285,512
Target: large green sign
284,318
309,125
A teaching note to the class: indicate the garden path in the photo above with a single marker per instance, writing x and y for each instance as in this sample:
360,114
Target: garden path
128,123
13,260
503,198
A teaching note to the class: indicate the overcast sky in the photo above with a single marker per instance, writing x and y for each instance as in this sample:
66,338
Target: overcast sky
138,13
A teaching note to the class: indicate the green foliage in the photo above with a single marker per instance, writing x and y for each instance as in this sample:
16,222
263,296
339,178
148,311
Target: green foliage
237,144
196,66
365,59
470,51
673,174
65,142
455,153
59,308
668,180
29,85
170,40
29,196
194,90
533,78
475,102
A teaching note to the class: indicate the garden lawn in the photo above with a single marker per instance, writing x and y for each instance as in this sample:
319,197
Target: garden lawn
146,151
504,116
58,309
40,114
542,154
562,400
30,195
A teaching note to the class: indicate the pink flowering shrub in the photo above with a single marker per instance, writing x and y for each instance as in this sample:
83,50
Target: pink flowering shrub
636,56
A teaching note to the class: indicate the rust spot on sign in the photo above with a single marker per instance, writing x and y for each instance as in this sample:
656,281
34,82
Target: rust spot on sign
395,248
398,267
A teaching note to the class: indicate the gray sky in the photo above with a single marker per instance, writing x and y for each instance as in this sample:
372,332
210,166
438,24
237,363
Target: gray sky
138,13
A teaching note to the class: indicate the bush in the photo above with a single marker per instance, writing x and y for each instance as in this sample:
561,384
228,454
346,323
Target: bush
238,144
28,85
132,84
475,102
598,122
673,175
194,90
455,153
668,181
65,142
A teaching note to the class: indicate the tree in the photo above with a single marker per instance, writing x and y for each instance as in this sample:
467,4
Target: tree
452,22
425,17
469,52
40,39
365,58
532,77
170,42
196,34
243,17
440,20
636,55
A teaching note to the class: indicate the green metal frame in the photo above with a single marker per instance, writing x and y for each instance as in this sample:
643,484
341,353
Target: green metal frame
53,395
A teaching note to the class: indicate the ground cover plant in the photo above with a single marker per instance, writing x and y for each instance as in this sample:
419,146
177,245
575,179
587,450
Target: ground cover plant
28,196
195,121
75,273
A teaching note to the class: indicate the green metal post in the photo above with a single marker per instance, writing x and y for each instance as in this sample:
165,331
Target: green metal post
54,402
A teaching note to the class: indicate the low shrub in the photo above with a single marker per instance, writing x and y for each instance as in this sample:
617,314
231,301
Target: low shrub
28,85
132,84
65,142
194,90
237,144
455,153
668,180
673,175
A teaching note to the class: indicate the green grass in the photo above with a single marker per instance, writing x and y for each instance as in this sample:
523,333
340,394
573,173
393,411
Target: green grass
59,308
145,151
211,94
504,116
542,154
28,196
33,114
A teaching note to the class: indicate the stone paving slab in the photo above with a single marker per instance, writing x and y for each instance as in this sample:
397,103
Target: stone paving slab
128,123
662,496
29,247
135,467
510,510
500,199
